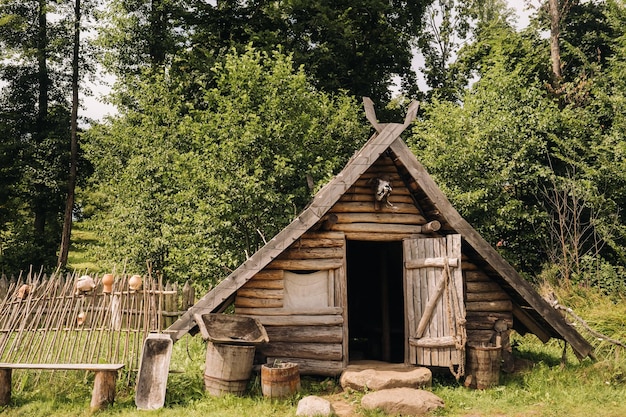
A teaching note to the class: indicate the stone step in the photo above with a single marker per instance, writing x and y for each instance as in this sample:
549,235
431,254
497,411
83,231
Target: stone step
376,375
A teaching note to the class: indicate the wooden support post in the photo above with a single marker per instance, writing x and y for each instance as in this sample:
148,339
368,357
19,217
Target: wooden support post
5,386
103,389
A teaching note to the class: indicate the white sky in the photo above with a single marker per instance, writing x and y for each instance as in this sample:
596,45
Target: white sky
94,108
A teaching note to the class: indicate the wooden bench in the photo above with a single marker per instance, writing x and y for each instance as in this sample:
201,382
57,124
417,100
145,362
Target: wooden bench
103,388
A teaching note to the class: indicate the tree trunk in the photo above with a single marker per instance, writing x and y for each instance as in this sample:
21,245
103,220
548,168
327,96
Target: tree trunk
39,209
71,183
555,50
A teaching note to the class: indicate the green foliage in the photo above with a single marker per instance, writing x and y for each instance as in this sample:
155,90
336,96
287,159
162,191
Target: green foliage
538,171
194,186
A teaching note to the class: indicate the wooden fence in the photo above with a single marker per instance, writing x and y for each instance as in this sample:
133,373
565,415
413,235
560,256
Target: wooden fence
48,320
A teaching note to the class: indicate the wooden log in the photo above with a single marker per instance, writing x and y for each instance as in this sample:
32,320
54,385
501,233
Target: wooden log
277,284
317,243
378,228
393,198
320,351
379,237
483,286
5,386
502,305
365,207
375,217
481,337
468,266
484,323
260,293
312,253
268,274
290,312
313,366
300,320
305,264
103,389
475,274
487,296
322,235
244,302
305,334
367,190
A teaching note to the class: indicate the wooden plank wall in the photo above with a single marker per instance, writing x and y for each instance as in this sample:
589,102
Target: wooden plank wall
313,338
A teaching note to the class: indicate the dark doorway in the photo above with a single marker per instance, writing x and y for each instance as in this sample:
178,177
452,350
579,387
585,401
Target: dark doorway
375,301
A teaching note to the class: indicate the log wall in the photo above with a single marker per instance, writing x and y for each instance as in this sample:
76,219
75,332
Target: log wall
310,335
486,303
361,217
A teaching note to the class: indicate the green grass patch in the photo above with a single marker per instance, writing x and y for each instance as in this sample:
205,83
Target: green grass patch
83,243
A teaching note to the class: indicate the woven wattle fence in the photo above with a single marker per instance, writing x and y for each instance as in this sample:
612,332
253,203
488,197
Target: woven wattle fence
47,320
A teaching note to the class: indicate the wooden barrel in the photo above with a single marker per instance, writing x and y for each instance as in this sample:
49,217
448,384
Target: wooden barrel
482,369
227,368
280,380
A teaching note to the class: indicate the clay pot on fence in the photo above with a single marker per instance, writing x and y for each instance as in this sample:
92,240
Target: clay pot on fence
107,283
134,282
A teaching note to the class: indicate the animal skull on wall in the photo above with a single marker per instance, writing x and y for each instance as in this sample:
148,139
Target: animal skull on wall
382,189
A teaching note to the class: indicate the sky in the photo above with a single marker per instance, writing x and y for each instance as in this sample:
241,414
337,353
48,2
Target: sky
95,108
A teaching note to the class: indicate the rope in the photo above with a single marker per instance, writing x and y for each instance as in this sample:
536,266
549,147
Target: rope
455,320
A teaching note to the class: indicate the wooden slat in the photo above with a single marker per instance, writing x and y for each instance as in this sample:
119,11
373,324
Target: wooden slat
430,263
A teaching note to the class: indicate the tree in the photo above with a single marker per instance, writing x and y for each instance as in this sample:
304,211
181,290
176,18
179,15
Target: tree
36,68
72,176
348,45
193,186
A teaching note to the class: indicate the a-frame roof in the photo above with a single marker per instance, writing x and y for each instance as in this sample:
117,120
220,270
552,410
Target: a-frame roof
531,311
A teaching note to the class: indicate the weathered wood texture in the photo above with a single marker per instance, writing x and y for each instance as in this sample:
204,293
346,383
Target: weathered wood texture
486,303
543,317
299,299
55,323
361,217
434,300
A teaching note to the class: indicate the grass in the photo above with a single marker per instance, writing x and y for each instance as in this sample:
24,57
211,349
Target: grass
82,241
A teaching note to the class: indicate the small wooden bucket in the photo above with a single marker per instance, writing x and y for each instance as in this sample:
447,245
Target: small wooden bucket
280,380
227,368
483,366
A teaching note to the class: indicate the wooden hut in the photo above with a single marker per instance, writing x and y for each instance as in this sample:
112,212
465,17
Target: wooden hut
405,279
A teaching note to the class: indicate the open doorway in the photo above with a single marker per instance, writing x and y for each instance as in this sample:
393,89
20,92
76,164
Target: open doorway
375,301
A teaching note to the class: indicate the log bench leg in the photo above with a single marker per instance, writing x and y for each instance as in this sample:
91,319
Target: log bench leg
103,389
5,386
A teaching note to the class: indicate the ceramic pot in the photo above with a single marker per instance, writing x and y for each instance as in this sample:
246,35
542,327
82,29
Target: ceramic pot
107,283
134,282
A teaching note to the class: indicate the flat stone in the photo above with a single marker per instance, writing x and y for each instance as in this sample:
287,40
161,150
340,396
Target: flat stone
403,401
378,377
314,406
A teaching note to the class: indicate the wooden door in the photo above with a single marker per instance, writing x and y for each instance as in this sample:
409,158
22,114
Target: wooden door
435,311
